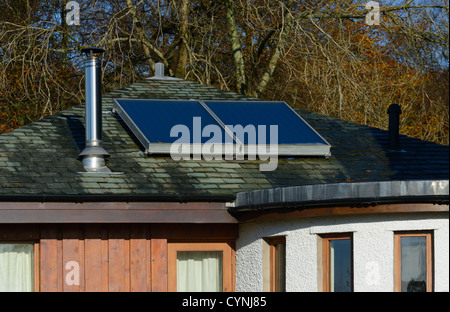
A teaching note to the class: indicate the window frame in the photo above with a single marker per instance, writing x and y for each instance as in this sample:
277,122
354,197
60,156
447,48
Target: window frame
398,257
326,259
227,261
36,257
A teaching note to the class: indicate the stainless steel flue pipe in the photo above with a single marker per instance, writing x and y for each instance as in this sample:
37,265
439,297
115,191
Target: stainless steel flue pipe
93,155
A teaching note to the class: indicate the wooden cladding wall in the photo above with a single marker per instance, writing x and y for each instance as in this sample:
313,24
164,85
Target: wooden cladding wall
108,257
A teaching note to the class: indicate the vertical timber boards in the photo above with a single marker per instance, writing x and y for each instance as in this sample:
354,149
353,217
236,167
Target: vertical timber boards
73,257
50,255
159,258
140,263
118,258
107,257
95,257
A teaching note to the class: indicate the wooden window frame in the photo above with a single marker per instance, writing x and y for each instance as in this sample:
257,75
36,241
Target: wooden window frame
398,254
273,263
36,257
326,260
228,269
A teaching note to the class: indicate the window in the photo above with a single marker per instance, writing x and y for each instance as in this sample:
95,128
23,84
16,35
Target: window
17,267
195,267
274,264
337,262
413,261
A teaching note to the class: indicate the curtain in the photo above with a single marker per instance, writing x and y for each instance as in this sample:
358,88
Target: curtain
199,271
16,268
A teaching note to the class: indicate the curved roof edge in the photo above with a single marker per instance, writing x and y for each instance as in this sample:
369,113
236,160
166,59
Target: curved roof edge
357,193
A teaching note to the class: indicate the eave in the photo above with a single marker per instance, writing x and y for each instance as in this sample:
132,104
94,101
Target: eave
114,209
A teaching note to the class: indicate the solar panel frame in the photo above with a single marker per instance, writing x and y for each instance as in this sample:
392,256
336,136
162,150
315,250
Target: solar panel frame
117,108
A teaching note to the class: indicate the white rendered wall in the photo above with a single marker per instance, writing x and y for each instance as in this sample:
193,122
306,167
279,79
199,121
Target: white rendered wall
373,242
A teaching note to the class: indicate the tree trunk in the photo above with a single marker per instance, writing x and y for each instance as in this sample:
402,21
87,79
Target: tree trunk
237,48
141,34
288,23
180,71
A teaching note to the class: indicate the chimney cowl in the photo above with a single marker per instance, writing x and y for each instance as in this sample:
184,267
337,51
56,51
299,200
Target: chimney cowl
394,109
91,51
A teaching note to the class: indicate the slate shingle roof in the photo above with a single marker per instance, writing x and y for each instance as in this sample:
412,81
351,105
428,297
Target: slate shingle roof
41,158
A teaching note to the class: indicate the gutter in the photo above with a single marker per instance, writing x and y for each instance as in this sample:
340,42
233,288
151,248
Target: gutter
358,194
88,198
352,203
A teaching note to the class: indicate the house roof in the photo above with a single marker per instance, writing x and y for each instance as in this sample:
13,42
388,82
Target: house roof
41,159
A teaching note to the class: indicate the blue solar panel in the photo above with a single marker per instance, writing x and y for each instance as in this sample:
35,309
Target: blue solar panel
154,121
292,129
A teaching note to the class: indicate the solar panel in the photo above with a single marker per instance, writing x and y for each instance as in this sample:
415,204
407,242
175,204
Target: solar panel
246,125
156,123
295,135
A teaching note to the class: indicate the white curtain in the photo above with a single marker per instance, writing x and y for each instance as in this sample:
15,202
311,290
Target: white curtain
199,271
16,267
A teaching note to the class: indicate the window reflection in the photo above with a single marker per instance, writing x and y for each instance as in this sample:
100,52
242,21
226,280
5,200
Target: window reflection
413,264
340,265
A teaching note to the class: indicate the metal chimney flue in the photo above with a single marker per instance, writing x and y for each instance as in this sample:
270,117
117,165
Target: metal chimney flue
93,156
159,70
160,73
394,112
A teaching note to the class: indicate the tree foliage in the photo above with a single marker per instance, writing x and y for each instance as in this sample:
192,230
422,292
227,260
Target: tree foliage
318,55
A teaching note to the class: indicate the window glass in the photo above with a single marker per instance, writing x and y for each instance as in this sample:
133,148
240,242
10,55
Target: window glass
199,271
280,266
16,267
414,264
340,265
274,264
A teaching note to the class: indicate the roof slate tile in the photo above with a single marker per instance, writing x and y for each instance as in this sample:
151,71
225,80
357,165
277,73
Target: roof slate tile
42,157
